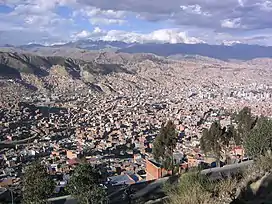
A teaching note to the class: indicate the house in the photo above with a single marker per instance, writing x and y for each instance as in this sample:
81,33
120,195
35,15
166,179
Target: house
137,158
154,170
238,151
71,154
123,179
192,162
55,154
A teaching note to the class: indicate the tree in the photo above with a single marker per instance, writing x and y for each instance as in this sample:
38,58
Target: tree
216,140
38,186
164,145
84,185
259,141
245,123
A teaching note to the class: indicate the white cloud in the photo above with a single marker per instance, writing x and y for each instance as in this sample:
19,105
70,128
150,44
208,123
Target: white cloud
37,7
97,16
106,21
168,36
241,3
265,6
231,23
94,12
40,20
194,9
231,42
160,36
98,30
36,14
84,34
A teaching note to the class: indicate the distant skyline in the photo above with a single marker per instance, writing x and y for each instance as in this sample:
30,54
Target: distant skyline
173,21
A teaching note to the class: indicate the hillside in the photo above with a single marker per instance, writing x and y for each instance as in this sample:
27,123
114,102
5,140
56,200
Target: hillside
87,67
40,66
21,73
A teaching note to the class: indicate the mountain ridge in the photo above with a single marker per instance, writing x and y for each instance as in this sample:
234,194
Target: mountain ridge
221,52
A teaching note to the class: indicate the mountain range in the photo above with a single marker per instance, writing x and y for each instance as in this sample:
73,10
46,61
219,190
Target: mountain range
222,52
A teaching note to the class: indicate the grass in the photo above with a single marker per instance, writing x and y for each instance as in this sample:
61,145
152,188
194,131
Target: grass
192,188
251,186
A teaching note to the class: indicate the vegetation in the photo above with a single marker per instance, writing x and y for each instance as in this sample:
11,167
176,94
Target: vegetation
84,185
256,184
252,186
249,187
252,132
245,123
194,188
259,141
164,145
264,162
38,186
216,140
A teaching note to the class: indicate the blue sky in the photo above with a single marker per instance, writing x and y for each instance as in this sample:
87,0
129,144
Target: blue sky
173,21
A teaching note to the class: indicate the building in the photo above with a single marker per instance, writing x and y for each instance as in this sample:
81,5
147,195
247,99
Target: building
154,170
124,179
71,154
238,151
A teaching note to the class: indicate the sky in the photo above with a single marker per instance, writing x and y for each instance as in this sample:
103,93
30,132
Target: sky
162,21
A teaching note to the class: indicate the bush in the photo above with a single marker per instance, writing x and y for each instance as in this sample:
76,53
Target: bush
248,187
192,188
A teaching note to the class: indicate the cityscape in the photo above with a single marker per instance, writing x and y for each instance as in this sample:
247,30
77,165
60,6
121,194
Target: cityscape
114,124
135,102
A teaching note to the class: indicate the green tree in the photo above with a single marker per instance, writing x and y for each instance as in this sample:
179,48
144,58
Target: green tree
259,141
245,123
216,140
84,185
38,186
165,144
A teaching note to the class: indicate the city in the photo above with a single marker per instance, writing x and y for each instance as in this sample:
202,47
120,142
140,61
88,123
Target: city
135,102
115,127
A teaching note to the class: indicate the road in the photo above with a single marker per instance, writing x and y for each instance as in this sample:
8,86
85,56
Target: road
143,189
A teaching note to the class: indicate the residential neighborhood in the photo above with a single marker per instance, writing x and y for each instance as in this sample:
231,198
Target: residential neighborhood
115,130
